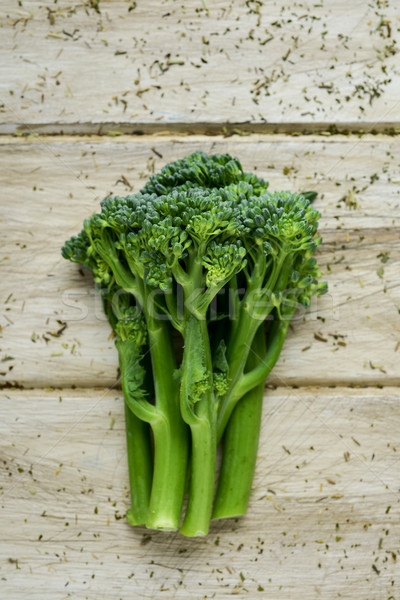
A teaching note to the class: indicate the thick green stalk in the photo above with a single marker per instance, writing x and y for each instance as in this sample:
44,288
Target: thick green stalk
137,441
170,433
199,410
276,339
170,464
250,317
140,467
202,480
247,322
237,354
240,444
242,431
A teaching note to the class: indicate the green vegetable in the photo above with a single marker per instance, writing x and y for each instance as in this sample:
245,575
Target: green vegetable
190,269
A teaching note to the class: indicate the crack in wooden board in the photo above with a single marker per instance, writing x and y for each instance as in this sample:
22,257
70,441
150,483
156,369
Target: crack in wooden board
184,129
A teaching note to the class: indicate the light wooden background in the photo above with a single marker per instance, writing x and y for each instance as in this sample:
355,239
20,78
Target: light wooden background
94,101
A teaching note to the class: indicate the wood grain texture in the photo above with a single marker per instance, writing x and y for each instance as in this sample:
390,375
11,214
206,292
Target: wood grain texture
323,519
324,516
196,66
50,185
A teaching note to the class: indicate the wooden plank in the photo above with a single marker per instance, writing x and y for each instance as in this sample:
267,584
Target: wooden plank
51,185
323,518
194,66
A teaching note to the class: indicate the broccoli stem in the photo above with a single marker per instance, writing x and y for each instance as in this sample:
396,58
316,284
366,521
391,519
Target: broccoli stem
240,444
169,432
241,435
140,467
237,353
137,441
199,411
254,309
276,339
167,492
202,480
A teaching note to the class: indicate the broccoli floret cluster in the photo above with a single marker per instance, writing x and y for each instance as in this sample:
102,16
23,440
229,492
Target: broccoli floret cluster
206,251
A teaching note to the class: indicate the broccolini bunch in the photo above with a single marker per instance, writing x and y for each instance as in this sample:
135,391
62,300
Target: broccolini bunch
191,269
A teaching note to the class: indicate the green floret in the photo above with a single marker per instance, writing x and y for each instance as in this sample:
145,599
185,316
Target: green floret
206,251
79,250
201,170
221,261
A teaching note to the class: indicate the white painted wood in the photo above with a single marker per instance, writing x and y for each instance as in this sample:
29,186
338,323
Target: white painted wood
323,519
49,185
324,514
197,65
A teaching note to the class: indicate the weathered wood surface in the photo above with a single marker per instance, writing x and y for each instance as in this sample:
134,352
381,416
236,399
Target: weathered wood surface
324,515
53,184
323,520
198,66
